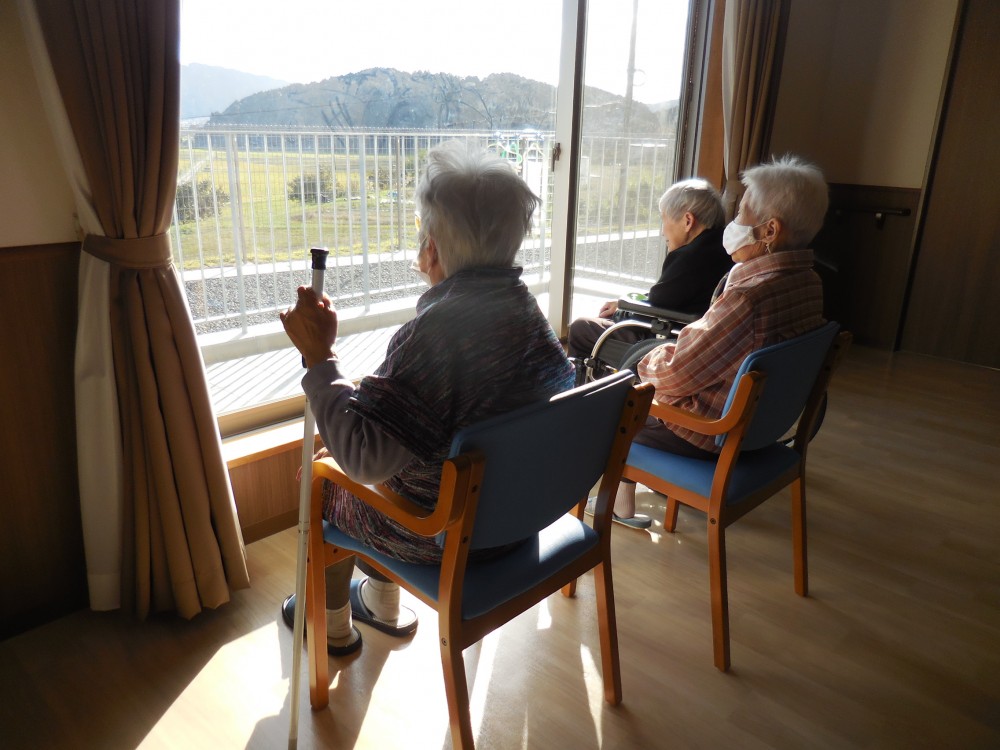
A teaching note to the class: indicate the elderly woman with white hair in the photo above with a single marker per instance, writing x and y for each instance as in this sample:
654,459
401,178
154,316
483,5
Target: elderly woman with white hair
479,346
771,294
691,217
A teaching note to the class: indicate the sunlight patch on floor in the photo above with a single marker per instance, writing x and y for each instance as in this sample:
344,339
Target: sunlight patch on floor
479,681
251,665
544,615
594,682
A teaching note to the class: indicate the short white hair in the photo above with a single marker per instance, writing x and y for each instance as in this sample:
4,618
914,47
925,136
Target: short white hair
792,190
697,196
474,206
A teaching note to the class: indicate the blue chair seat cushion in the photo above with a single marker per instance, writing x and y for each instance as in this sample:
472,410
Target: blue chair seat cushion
754,469
490,583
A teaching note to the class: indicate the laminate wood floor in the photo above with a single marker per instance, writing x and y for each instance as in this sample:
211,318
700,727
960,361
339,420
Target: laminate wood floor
897,646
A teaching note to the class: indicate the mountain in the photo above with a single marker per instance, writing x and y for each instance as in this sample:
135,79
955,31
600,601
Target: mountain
389,98
206,89
666,113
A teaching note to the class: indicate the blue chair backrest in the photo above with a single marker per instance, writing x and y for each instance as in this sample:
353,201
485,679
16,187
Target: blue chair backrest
791,367
542,459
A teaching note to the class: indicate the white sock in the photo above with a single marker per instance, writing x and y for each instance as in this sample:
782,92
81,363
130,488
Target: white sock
381,598
625,500
338,623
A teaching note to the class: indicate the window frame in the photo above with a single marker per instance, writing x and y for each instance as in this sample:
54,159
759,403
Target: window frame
699,112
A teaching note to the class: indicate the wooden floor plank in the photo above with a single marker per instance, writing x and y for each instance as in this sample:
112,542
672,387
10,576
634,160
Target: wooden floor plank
897,646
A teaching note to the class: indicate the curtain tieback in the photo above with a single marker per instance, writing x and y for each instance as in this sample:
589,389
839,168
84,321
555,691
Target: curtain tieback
135,252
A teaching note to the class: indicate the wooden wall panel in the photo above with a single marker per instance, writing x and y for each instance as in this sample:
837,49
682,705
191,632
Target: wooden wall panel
955,300
262,467
266,494
865,260
42,573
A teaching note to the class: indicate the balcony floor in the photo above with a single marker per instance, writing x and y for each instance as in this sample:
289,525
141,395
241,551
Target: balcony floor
261,378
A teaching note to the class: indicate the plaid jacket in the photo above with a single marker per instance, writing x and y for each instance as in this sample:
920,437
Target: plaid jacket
768,299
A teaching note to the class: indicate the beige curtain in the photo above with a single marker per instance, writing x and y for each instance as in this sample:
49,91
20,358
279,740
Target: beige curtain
750,67
160,523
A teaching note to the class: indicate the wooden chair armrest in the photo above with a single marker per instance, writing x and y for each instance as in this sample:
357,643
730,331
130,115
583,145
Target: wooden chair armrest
704,426
404,511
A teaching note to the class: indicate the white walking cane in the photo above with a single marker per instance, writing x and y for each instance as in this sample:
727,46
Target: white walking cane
319,255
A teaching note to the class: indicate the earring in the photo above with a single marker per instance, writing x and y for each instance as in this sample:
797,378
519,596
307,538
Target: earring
767,248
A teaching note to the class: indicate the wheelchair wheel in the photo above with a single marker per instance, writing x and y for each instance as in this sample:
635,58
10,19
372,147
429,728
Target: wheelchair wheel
637,351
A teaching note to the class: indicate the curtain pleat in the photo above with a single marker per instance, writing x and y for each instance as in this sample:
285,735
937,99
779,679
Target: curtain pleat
117,68
750,39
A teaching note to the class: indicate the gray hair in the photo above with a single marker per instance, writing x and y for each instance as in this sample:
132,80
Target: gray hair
789,189
474,206
697,196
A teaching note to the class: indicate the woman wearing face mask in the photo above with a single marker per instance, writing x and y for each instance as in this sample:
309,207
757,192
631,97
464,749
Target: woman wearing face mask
771,294
479,346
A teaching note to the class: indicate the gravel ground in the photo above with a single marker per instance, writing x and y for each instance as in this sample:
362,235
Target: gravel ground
272,291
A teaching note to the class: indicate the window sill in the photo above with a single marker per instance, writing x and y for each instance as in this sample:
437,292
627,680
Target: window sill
248,447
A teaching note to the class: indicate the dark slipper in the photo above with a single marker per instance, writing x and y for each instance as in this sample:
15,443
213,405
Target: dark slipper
405,624
638,521
288,615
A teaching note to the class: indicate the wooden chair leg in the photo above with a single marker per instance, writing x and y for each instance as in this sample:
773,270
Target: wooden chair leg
569,590
670,517
319,667
457,690
607,626
799,555
720,594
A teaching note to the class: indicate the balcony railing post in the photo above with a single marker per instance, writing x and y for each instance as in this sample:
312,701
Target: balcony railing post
401,217
366,284
297,215
236,211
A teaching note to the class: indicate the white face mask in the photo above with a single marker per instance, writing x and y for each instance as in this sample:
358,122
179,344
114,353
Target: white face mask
736,236
415,267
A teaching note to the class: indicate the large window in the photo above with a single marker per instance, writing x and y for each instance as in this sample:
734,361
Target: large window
306,124
634,57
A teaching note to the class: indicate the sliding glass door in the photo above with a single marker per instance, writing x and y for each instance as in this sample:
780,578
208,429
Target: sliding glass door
293,138
632,75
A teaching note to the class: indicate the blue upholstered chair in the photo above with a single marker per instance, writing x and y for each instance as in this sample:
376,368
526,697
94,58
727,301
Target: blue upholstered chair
511,478
777,388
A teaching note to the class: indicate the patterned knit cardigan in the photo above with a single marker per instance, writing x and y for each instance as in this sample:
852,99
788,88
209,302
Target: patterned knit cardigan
478,347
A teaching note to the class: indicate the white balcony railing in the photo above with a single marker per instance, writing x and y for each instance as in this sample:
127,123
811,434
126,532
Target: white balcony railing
250,204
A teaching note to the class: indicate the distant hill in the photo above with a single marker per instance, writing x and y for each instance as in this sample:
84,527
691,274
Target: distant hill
206,89
666,113
389,98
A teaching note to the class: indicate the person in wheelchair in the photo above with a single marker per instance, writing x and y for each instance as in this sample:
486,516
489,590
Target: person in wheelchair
691,216
478,347
772,294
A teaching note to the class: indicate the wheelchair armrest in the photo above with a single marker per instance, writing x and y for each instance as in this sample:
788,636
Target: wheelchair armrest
663,319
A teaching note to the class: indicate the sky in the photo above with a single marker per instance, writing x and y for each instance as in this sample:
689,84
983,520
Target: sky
300,41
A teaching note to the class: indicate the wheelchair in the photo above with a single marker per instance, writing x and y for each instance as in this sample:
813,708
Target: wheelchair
655,325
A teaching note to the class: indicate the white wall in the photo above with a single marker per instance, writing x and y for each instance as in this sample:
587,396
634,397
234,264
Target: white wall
860,87
36,203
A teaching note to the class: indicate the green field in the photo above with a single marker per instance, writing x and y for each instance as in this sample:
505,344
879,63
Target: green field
251,189
274,227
